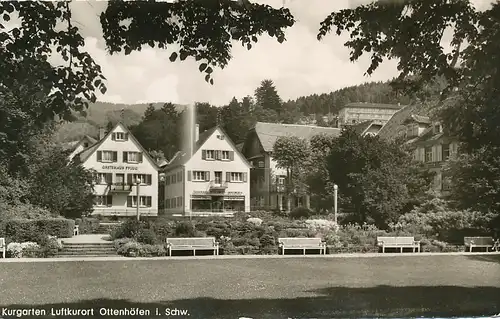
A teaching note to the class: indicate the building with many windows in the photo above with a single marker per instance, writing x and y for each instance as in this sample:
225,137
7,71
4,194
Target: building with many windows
354,113
425,138
126,176
267,181
211,178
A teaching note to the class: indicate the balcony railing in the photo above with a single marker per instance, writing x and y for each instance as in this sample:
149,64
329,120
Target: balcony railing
217,185
120,188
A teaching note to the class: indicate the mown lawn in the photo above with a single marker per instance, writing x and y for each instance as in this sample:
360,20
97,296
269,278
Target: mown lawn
264,288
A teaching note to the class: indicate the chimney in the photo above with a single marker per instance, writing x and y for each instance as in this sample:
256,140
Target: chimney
102,133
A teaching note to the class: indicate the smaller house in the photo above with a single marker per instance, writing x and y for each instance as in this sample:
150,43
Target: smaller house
267,181
78,146
208,179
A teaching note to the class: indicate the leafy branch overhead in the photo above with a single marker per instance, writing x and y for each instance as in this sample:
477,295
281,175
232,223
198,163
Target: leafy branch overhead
28,46
411,31
202,29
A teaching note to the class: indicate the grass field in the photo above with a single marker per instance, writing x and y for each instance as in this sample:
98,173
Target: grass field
263,288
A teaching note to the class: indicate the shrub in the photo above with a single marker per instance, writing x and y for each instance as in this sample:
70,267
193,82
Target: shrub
26,250
129,249
49,246
146,250
87,225
300,213
146,236
118,243
255,221
127,229
185,229
21,230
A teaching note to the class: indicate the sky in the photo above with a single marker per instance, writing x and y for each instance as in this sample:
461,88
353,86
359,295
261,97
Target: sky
300,66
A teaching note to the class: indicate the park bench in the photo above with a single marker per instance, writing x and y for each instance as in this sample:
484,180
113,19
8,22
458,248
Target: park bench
193,243
302,243
2,246
398,242
478,242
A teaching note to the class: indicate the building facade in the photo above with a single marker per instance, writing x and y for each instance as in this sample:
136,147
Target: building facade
431,146
213,180
267,181
354,113
126,176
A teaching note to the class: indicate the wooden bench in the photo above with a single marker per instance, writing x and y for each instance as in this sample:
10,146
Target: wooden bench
302,243
478,242
192,243
2,246
398,242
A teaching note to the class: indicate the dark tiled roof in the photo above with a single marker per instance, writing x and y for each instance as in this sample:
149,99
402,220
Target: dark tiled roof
268,133
360,128
396,128
359,105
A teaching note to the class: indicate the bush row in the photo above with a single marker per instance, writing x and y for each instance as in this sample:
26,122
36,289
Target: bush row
34,230
255,236
48,246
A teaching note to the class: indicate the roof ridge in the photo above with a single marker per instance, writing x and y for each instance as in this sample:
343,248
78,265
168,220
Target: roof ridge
301,125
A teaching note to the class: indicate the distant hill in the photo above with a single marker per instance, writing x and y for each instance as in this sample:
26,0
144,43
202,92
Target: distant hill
98,115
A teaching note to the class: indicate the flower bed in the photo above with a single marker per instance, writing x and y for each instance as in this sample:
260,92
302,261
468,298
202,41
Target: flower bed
48,247
248,234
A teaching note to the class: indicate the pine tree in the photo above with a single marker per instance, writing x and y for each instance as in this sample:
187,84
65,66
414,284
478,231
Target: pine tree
267,97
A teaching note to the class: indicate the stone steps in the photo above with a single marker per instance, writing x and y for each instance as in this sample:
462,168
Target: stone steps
87,249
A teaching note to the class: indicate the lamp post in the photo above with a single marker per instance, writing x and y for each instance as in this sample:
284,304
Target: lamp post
137,183
335,188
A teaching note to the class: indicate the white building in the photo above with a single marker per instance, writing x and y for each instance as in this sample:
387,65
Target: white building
120,162
214,180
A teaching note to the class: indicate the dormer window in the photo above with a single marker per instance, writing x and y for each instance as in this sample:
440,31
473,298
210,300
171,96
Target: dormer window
412,130
220,137
438,128
120,136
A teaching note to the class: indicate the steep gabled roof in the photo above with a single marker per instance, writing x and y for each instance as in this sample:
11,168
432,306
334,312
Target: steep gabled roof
182,157
268,133
86,153
395,127
359,105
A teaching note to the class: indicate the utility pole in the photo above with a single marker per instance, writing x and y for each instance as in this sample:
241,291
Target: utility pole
335,188
138,183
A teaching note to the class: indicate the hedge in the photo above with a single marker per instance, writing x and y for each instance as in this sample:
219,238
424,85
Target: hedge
23,230
88,225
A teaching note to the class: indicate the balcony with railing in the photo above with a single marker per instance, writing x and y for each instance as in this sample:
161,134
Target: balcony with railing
120,188
217,185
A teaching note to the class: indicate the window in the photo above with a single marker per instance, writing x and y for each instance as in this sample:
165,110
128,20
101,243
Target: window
218,177
179,176
178,202
104,178
103,200
132,157
174,178
225,155
428,154
144,201
236,177
220,137
210,155
120,179
167,203
281,180
107,156
445,148
412,130
144,178
200,176
85,144
119,136
261,164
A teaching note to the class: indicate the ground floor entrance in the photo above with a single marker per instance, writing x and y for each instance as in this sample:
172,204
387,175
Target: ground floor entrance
219,203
